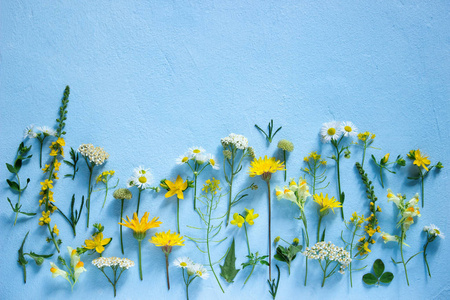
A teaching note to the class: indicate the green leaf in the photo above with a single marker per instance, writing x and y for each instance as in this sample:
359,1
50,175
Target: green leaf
38,258
228,270
27,214
342,198
386,277
13,185
323,235
369,279
11,168
18,164
378,267
22,259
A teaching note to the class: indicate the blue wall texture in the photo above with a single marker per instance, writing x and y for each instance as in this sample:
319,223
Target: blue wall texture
151,78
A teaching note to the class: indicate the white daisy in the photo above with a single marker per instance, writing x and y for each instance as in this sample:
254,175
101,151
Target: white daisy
193,152
131,182
46,130
183,262
434,230
348,129
201,158
212,161
141,171
182,159
29,132
141,178
200,271
330,131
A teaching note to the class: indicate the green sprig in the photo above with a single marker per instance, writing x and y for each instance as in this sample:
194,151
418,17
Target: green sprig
270,135
38,258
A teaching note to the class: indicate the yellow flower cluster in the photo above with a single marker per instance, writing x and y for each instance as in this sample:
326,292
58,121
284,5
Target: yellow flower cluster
314,157
211,186
57,147
239,220
365,136
45,219
370,229
104,176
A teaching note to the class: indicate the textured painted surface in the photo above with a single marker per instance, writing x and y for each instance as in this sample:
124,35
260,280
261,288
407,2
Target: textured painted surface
151,79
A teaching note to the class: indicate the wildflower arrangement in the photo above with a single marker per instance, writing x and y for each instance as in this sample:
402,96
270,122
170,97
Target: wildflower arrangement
423,166
140,228
74,216
56,150
325,204
122,194
74,157
365,140
190,271
21,156
97,243
209,201
197,159
117,265
265,168
142,179
94,156
354,226
288,254
317,167
329,256
432,232
297,193
407,211
270,134
288,146
104,178
372,221
176,187
235,149
239,220
74,269
166,240
335,132
41,133
384,162
38,258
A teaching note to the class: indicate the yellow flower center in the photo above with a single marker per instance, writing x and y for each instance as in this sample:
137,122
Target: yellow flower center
331,131
185,159
183,264
212,162
142,179
437,231
199,273
278,193
196,151
348,128
53,270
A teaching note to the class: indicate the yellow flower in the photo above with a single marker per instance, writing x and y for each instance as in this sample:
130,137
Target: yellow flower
55,176
211,186
97,243
57,164
45,169
61,141
47,184
326,203
306,159
366,247
371,231
176,187
421,160
55,230
296,241
277,239
140,227
167,240
385,159
238,220
265,167
45,219
250,216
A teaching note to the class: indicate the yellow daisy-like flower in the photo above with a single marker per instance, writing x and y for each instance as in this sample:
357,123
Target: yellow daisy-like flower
238,220
167,240
421,160
97,243
265,167
250,216
47,184
140,227
176,187
326,203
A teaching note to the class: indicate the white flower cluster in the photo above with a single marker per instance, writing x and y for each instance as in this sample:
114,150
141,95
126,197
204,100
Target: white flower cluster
96,155
334,130
102,262
200,156
328,251
193,269
237,140
433,230
142,178
45,130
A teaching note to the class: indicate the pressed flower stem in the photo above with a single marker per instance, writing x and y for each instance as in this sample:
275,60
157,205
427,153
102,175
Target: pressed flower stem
139,202
187,291
270,233
121,214
18,201
337,159
195,191
233,153
246,236
88,200
178,214
53,237
364,154
401,252
207,246
24,274
318,227
423,191
425,257
285,164
40,153
140,263
167,271
305,224
106,193
351,254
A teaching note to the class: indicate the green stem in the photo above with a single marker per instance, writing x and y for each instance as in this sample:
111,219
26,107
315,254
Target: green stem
167,271
140,261
351,255
187,290
318,227
121,215
425,257
231,187
246,235
195,190
24,273
285,164
423,192
18,201
401,252
88,201
251,272
339,184
270,234
139,202
381,176
40,154
106,193
178,215
306,274
364,154
324,275
53,237
207,245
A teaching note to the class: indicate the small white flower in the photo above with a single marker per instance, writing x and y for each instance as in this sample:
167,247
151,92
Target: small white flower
349,129
193,152
183,262
200,271
201,158
329,131
212,161
182,159
434,230
29,132
388,238
142,178
46,130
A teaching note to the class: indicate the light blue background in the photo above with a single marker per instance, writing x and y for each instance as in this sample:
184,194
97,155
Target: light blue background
151,78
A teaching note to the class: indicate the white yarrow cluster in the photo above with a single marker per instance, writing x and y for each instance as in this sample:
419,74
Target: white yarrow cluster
328,251
96,155
237,140
334,130
193,269
102,262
